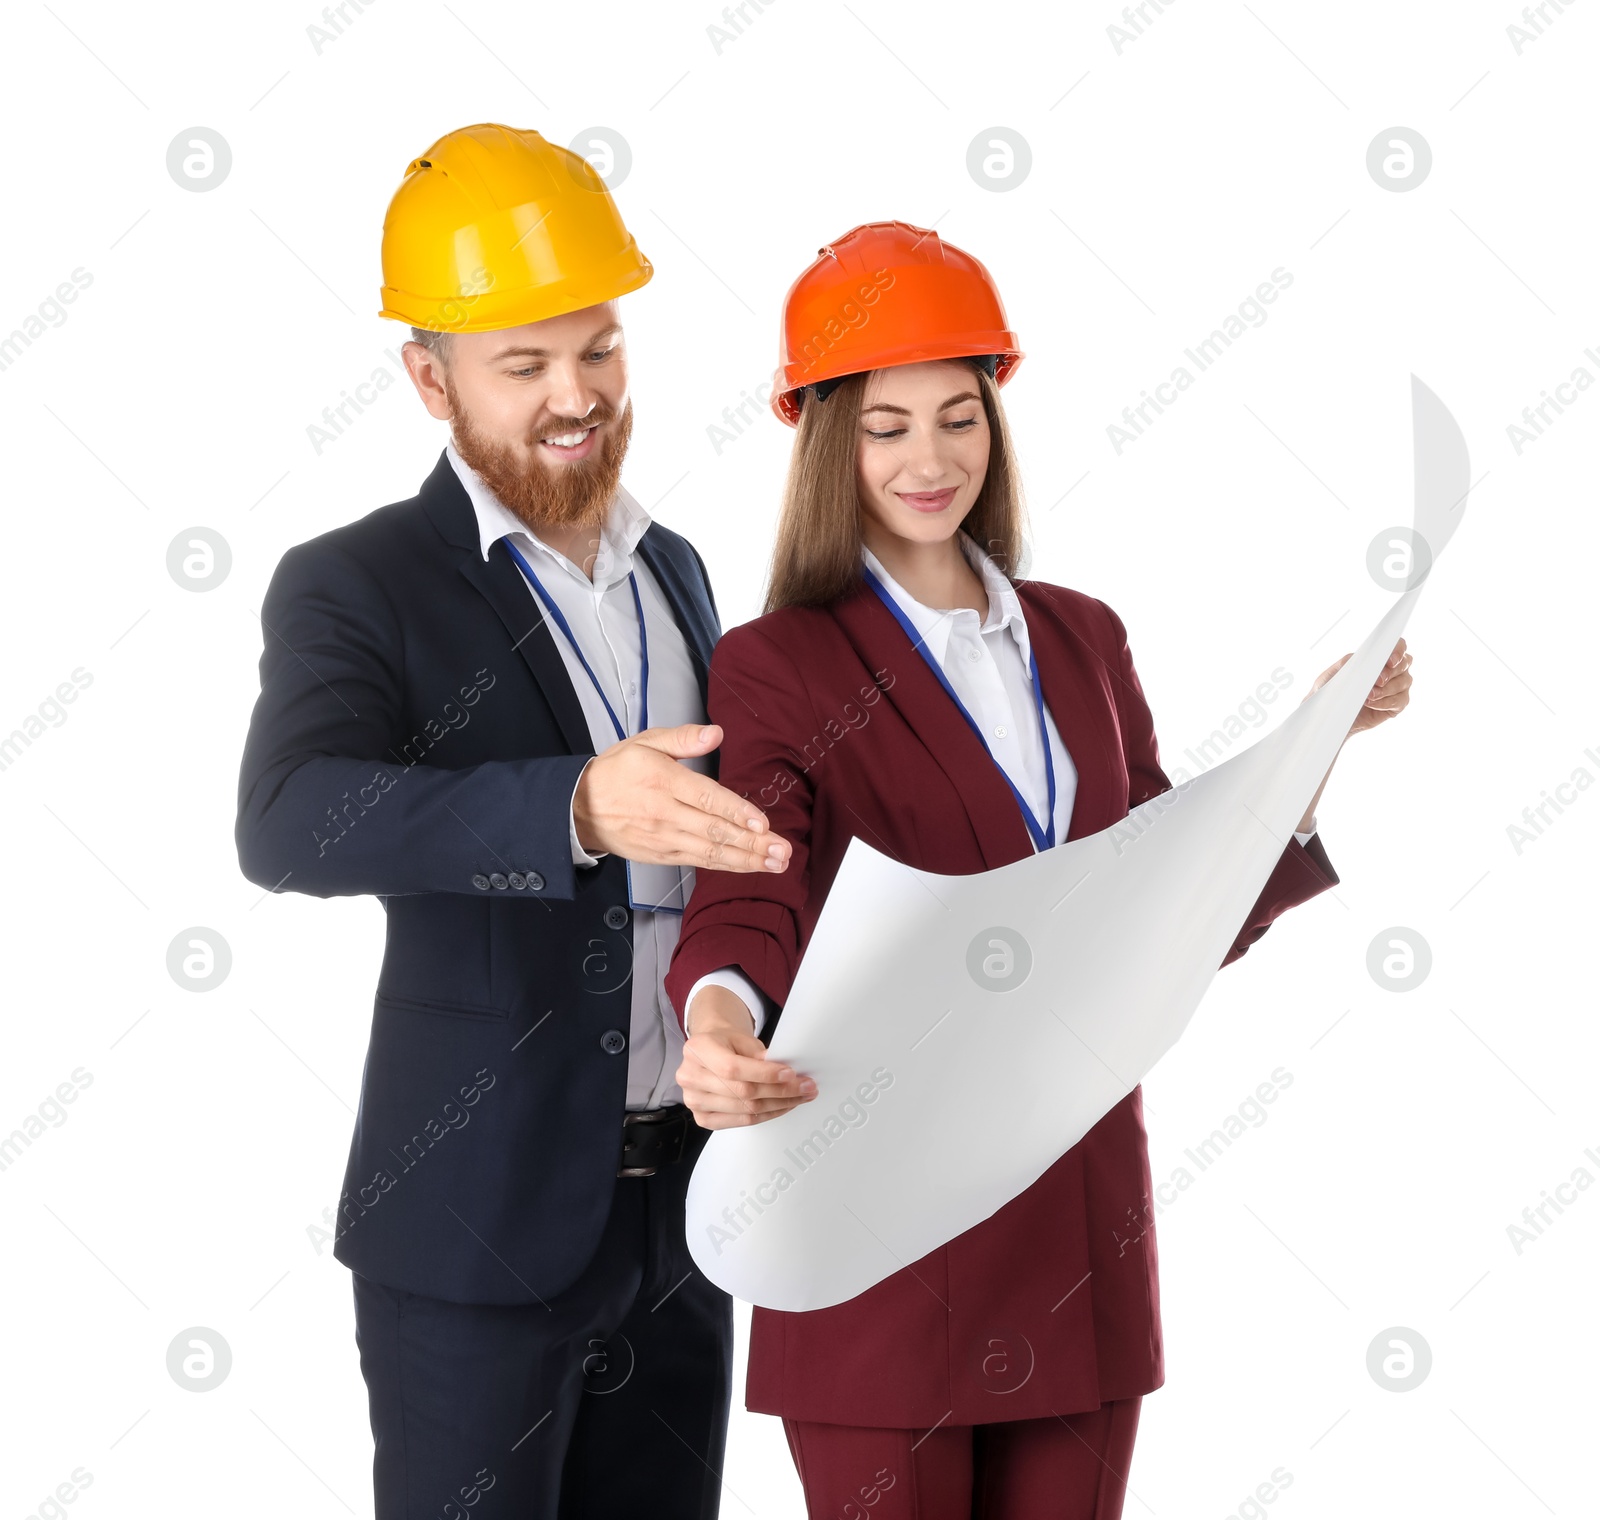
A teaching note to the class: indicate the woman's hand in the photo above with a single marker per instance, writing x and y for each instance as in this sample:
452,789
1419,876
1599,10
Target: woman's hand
1389,694
725,1076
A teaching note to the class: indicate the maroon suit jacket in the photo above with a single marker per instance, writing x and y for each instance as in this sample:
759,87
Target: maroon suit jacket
834,726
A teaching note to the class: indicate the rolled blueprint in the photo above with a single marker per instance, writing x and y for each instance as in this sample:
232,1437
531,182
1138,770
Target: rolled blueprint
1091,957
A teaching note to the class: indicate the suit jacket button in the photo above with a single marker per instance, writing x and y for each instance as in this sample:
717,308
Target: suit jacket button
535,880
481,882
498,882
612,1041
616,918
517,880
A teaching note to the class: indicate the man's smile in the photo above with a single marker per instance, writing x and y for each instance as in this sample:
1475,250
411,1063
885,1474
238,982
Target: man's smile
571,445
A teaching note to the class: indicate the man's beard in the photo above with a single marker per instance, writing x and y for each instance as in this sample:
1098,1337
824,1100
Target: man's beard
572,495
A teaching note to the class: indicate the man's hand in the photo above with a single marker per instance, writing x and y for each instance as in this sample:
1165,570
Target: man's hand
636,801
725,1076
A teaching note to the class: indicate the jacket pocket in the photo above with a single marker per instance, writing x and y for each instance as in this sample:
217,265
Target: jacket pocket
436,958
449,1008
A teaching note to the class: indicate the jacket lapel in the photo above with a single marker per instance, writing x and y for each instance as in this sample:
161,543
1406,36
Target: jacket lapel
919,698
1077,691
1078,687
501,584
505,590
698,631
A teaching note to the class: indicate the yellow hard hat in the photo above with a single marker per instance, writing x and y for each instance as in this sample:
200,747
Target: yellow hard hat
493,227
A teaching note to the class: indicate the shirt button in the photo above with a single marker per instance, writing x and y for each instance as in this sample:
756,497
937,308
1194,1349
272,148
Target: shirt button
1000,732
534,880
633,688
974,654
616,918
481,882
613,1042
498,882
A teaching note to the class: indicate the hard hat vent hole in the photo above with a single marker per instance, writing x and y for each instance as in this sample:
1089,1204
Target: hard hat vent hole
423,163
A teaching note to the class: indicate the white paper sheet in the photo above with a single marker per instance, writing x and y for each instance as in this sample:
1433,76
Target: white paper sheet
1028,1000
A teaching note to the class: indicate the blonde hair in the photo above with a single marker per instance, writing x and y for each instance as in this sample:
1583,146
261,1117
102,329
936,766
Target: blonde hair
816,557
437,343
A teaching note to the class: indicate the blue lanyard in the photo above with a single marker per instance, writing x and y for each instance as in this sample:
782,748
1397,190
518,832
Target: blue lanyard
1043,838
566,628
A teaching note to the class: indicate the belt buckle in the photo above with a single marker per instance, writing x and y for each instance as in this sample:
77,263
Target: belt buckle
651,1116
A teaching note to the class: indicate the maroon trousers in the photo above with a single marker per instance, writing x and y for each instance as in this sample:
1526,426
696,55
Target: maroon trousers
1071,1467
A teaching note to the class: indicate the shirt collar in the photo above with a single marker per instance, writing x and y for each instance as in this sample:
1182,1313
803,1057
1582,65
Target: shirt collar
625,524
933,624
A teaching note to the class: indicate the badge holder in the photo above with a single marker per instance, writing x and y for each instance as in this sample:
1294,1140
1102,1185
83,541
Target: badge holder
659,888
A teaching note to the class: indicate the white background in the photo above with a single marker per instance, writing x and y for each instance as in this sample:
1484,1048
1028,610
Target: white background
1167,181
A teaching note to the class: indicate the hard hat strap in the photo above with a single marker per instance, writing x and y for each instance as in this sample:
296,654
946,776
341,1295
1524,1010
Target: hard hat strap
822,389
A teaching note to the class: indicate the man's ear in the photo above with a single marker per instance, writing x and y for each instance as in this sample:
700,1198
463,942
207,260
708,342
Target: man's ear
427,375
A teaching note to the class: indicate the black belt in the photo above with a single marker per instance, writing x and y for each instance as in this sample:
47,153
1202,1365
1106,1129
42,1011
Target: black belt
653,1137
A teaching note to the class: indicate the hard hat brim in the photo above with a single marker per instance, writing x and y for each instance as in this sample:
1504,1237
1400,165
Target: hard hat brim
786,392
491,310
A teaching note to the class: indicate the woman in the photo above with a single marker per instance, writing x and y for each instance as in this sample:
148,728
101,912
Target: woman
904,686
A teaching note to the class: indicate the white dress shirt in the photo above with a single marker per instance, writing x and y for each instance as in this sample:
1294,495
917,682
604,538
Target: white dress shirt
601,615
986,662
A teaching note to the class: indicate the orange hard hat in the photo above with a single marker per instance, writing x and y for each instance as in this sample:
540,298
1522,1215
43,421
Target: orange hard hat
887,293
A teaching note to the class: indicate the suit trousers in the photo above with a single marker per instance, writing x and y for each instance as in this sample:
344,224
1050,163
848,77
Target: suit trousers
610,1399
1073,1467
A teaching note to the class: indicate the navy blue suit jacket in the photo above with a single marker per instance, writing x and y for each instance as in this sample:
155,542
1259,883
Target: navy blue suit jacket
418,738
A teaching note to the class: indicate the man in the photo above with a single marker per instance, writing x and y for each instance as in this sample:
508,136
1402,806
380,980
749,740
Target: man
455,693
